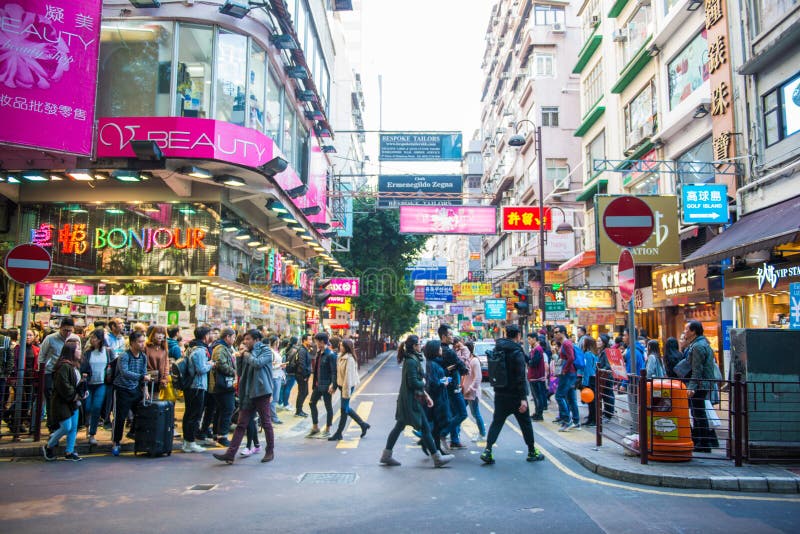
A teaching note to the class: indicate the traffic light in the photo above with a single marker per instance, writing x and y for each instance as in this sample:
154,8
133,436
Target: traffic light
321,296
523,305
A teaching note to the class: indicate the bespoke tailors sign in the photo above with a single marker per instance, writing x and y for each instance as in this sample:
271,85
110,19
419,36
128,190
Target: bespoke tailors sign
421,146
405,189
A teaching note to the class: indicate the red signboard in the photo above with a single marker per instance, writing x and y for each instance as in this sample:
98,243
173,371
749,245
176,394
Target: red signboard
626,275
419,293
524,219
628,221
617,362
28,264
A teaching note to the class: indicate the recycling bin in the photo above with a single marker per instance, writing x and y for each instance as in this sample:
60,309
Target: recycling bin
669,429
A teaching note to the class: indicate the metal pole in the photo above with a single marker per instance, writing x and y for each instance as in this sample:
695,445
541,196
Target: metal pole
19,395
644,428
633,392
523,319
539,156
738,419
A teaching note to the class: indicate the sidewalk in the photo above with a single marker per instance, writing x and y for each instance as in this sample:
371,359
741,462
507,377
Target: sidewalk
291,427
610,461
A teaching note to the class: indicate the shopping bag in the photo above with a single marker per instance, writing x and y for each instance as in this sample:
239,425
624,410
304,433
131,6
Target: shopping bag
167,393
711,415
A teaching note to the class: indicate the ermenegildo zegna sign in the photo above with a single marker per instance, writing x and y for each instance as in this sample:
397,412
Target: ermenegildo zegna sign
767,277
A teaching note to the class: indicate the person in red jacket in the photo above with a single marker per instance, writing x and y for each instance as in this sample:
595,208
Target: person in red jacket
537,375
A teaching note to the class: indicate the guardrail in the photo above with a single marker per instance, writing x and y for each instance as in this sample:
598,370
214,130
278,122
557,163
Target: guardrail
22,416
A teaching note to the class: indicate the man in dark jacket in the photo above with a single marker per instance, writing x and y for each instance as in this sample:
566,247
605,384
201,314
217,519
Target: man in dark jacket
701,356
513,398
302,374
455,369
324,385
131,375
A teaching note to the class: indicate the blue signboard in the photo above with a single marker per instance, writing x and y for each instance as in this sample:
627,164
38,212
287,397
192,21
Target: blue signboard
705,203
422,146
794,305
427,273
418,189
439,293
495,308
727,326
288,291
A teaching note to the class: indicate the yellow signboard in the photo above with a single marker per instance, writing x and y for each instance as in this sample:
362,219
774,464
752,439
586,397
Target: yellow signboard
507,289
474,289
663,247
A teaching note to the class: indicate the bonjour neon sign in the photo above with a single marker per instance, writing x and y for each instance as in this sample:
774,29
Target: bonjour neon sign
148,239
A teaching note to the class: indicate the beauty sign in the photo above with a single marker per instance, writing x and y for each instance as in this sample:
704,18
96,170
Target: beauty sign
48,73
344,287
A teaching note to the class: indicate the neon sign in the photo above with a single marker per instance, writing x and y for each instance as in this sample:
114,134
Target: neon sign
148,239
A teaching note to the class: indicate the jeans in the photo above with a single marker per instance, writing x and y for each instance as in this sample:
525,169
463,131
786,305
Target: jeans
326,398
277,384
302,393
225,407
94,404
539,392
475,408
566,398
592,405
125,400
503,407
425,428
458,408
260,405
194,398
69,428
286,390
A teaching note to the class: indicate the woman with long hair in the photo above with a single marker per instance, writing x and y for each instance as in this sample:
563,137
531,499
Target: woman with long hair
472,390
157,353
346,380
278,376
672,355
410,401
94,362
654,365
69,390
589,347
606,389
290,355
439,415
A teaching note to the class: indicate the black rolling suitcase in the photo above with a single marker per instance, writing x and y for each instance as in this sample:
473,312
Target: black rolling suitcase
155,427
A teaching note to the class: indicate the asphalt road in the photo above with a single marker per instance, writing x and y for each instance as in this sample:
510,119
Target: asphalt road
127,494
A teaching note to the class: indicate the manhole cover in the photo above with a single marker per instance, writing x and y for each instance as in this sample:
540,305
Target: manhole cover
328,478
202,487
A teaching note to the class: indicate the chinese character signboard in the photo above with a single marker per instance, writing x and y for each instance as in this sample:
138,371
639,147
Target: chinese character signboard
420,147
439,293
421,190
554,299
507,289
794,306
705,203
495,309
524,219
662,248
475,289
469,220
48,73
680,286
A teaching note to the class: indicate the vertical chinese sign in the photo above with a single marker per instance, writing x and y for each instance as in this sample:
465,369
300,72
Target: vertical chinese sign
48,73
719,68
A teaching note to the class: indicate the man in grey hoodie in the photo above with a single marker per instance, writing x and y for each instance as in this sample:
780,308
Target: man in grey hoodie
200,364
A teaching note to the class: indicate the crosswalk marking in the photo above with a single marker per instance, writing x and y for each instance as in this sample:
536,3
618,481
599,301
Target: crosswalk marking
363,411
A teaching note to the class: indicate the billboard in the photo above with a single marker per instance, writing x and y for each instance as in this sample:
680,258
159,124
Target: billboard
403,189
663,247
524,219
48,73
438,293
344,287
422,146
495,308
477,220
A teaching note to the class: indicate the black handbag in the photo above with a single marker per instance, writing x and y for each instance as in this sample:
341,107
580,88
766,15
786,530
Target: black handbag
683,369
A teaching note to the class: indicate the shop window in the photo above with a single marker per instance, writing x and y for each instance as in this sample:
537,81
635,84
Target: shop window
688,70
545,15
636,32
782,111
549,116
258,87
194,70
135,69
231,77
301,151
595,150
640,116
301,22
689,172
272,110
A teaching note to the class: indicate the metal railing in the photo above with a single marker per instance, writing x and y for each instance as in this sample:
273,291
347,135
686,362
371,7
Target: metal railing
22,412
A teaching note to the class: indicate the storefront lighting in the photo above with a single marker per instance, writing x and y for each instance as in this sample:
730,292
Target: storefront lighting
276,206
229,226
106,281
147,150
56,177
145,3
235,8
76,208
101,176
263,248
242,235
694,5
196,172
306,95
284,41
114,211
139,281
125,175
187,210
81,175
311,210
149,208
306,237
297,72
700,112
34,176
328,149
274,166
314,115
297,191
231,181
254,243
321,226
12,179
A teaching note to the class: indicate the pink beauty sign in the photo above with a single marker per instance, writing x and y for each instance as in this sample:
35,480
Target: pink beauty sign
62,288
344,287
48,73
448,220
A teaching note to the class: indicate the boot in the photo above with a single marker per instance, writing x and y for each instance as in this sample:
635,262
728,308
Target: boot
440,460
226,457
386,458
338,434
269,455
364,426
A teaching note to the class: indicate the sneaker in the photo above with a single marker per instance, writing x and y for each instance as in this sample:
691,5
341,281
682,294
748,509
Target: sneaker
325,434
48,453
487,457
558,421
115,450
312,433
457,446
479,437
245,452
574,426
256,449
207,441
535,456
276,421
565,427
225,442
196,447
72,457
92,440
301,414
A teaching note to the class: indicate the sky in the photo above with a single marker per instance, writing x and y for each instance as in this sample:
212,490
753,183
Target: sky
428,53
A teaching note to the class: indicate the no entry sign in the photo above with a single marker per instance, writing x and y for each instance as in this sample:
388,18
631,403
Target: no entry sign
626,275
628,221
28,264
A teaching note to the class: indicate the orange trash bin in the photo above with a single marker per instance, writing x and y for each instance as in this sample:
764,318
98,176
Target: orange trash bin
669,429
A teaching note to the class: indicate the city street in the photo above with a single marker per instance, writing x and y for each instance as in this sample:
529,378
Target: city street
127,494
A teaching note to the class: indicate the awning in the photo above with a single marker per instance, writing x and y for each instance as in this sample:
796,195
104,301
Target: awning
584,259
760,230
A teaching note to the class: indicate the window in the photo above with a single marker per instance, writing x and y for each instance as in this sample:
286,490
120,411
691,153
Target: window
288,133
593,87
669,4
545,15
544,65
782,111
640,116
549,116
258,87
272,109
772,11
594,150
194,70
231,77
688,70
135,69
557,168
689,172
590,19
637,30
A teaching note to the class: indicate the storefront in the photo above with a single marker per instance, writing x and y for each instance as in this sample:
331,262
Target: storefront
761,293
594,309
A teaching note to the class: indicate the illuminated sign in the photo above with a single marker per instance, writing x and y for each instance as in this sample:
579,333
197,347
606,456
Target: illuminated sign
590,298
148,239
448,220
344,287
524,219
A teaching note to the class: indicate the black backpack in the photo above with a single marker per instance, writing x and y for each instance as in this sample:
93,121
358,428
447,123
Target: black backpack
181,371
498,368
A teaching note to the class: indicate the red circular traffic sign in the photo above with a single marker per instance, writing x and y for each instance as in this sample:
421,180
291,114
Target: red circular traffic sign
626,275
28,264
628,221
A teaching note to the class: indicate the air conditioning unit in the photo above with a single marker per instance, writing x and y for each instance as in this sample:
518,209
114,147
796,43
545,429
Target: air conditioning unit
505,75
558,28
619,36
562,184
523,73
595,21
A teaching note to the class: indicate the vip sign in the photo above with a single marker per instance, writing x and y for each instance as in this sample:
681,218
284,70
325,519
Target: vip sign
664,245
770,274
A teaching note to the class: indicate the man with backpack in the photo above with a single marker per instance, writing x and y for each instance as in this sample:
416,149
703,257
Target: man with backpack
510,393
199,364
130,374
566,395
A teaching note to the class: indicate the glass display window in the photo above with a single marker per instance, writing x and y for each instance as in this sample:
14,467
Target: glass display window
231,58
688,70
194,70
258,88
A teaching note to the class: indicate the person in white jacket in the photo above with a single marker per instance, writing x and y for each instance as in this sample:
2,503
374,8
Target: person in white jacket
278,376
472,390
346,380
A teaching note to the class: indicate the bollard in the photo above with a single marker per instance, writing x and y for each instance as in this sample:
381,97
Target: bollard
738,417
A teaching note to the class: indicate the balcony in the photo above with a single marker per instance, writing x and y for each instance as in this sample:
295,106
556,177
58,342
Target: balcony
589,119
587,51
